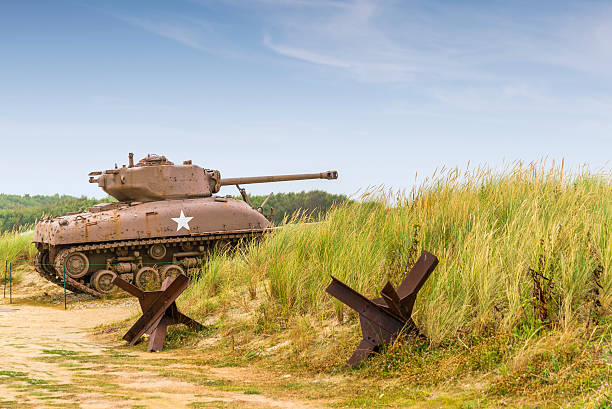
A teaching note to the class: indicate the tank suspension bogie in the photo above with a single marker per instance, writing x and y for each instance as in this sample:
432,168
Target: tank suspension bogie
102,281
147,278
75,263
190,262
170,270
123,268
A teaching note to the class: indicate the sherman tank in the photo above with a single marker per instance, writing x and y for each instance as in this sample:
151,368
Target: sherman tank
166,220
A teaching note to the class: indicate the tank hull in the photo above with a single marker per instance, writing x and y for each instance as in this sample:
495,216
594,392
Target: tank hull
129,221
142,242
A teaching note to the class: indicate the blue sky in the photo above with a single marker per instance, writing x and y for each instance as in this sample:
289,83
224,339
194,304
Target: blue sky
378,90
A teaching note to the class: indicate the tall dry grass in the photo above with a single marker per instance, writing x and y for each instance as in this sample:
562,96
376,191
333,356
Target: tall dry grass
529,245
16,247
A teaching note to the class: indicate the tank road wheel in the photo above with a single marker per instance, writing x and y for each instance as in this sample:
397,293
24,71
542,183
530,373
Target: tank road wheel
157,251
171,270
147,278
102,281
76,264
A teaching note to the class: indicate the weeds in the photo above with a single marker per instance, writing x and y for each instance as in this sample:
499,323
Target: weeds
543,288
16,248
485,227
523,289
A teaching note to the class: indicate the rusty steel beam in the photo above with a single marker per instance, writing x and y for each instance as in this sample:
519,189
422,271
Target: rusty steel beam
129,288
159,310
367,309
385,319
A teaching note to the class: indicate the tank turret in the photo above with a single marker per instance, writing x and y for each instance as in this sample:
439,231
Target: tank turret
156,178
166,222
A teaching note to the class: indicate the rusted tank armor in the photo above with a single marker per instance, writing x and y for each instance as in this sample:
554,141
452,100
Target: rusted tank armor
166,221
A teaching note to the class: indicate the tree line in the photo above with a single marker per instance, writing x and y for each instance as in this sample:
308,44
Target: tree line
23,211
19,211
314,203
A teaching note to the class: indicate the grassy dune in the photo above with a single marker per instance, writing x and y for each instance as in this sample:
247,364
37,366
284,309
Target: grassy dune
525,276
497,236
517,313
16,248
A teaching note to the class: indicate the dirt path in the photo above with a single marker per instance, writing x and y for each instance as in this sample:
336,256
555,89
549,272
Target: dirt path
49,358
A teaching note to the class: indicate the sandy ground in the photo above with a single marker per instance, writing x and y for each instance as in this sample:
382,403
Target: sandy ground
51,358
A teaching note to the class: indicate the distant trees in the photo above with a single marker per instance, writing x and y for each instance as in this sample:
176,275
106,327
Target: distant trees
17,211
315,203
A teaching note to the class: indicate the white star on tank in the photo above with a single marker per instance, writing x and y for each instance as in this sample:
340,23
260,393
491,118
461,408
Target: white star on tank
182,221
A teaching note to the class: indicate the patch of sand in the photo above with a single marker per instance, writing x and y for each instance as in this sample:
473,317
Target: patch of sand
30,334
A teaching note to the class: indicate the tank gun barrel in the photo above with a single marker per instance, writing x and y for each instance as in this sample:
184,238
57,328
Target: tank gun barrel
330,174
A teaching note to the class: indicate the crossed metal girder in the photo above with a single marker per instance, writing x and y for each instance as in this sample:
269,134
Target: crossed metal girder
159,310
389,317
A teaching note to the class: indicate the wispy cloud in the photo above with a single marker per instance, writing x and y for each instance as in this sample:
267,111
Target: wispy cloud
383,41
492,58
454,54
342,37
191,32
183,32
379,41
306,55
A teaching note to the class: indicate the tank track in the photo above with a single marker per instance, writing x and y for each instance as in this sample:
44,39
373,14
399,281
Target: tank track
77,287
53,277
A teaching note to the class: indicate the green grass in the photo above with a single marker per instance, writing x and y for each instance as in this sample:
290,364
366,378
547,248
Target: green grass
525,269
61,352
16,247
488,230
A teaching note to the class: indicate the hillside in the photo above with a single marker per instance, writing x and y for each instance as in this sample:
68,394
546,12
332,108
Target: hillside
517,313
